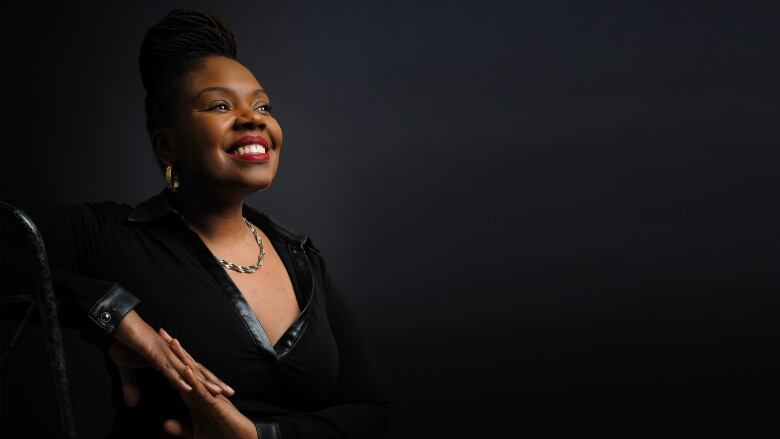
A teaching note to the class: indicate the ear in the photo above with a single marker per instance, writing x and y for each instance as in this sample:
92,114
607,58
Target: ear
163,148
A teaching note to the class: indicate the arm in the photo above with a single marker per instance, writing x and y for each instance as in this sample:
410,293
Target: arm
360,406
105,304
71,234
102,309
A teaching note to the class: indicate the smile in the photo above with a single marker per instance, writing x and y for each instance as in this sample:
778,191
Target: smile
254,148
250,153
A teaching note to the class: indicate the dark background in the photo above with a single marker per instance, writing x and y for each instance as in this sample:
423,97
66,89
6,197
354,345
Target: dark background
549,214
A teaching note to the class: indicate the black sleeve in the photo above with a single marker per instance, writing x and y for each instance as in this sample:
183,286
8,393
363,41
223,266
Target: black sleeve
71,234
360,406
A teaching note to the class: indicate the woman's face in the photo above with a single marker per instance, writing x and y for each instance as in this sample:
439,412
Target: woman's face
220,104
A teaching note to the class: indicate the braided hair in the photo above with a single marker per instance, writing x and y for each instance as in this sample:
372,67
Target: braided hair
176,45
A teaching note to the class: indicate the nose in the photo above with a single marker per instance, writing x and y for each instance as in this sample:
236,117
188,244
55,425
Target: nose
250,119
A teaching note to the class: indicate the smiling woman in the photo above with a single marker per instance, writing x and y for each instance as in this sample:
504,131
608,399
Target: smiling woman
194,276
219,130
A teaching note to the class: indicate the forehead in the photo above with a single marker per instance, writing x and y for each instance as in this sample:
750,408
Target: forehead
221,72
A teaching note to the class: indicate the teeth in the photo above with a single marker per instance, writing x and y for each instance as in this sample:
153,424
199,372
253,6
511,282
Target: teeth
251,149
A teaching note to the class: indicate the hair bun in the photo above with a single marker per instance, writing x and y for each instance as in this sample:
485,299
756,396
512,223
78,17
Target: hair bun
180,37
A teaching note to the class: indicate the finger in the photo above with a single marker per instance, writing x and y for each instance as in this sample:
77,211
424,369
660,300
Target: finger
169,365
165,335
172,369
130,390
185,357
213,388
175,428
215,385
198,388
213,378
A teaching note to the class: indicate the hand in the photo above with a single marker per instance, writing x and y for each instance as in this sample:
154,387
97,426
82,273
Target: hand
201,428
126,360
137,345
212,415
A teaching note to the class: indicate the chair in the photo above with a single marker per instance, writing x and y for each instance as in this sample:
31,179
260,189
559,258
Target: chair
19,306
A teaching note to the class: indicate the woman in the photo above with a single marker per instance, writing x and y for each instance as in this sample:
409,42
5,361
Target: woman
240,293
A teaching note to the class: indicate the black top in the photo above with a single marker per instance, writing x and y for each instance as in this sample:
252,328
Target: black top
319,380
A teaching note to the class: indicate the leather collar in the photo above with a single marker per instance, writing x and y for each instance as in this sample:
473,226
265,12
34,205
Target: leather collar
160,205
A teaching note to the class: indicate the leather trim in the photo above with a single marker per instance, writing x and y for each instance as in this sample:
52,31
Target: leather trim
268,430
232,293
161,205
306,282
112,308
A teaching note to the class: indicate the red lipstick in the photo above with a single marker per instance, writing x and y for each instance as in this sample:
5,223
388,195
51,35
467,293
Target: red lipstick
250,140
257,157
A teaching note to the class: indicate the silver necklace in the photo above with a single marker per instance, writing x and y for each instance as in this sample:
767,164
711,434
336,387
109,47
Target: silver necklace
246,268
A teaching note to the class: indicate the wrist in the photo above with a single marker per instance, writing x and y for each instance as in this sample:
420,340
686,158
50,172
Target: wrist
129,327
231,423
135,333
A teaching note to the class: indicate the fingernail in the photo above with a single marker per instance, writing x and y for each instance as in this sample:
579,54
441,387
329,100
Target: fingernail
230,388
187,386
165,333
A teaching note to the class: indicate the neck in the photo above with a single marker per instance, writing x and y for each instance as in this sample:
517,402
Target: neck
214,216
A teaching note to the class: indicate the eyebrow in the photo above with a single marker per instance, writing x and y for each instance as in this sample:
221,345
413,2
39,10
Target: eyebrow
257,92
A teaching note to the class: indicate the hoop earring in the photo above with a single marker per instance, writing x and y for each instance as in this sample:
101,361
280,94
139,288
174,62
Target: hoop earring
171,179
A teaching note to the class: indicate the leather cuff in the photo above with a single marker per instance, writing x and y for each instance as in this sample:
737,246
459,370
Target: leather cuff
112,307
268,430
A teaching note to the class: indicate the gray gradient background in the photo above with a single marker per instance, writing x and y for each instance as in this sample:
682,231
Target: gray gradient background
547,213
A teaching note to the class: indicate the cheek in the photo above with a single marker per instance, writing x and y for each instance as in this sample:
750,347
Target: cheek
208,135
275,131
201,145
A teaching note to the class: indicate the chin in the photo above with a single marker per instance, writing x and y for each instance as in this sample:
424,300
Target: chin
261,186
257,182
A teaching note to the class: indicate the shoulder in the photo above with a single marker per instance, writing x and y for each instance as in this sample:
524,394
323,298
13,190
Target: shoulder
112,209
279,229
107,214
95,214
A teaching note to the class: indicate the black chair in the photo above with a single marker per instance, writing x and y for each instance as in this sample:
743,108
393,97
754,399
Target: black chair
19,307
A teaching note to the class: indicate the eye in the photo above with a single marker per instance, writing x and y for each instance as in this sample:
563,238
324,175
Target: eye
221,104
264,108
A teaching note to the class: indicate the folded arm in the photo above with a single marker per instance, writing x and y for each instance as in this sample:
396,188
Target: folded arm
71,234
75,236
359,407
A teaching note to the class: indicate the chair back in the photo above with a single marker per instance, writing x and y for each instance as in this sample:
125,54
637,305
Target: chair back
21,306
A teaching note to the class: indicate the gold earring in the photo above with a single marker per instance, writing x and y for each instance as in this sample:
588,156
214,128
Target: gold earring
171,179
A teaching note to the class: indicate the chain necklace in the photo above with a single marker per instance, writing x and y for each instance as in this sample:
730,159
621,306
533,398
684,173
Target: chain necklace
246,268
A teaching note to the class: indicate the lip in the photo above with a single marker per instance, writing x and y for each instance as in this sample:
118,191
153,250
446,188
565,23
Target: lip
255,157
250,140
